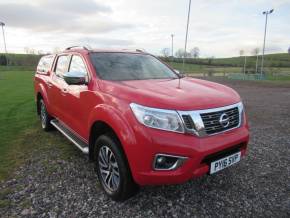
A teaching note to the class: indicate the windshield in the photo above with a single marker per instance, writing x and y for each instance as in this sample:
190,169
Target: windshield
130,66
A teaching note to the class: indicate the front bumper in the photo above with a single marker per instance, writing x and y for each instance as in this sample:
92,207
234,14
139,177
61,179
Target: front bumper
199,152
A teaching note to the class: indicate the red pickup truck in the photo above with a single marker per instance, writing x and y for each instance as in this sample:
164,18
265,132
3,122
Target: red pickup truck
139,120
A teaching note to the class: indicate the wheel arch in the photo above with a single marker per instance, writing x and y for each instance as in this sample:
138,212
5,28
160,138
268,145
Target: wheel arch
99,128
41,94
105,119
38,98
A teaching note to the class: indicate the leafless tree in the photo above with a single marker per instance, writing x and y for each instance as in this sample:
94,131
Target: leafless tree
26,50
179,53
40,52
31,51
188,55
56,50
242,52
289,50
165,52
210,60
195,52
256,51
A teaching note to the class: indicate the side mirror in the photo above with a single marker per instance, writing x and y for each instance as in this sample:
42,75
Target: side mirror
75,78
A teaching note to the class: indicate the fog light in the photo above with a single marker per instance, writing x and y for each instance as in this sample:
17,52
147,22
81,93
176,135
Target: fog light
161,160
167,162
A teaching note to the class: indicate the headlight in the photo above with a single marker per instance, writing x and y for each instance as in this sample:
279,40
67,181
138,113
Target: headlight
158,118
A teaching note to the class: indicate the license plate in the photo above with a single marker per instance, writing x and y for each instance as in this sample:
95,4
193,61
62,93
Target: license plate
225,162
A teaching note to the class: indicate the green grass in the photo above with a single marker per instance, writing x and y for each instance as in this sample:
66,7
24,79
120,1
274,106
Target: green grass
17,109
20,131
17,112
270,60
278,78
274,64
198,69
17,68
276,73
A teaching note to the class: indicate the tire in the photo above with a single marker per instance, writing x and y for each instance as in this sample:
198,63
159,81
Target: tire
45,118
112,168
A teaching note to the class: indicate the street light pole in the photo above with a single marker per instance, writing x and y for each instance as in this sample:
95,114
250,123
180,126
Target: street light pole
172,45
188,16
262,63
2,25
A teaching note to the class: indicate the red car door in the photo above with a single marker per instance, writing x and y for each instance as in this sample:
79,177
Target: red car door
44,71
59,87
79,99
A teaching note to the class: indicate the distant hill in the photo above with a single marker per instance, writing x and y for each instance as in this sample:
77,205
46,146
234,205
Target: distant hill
21,59
270,60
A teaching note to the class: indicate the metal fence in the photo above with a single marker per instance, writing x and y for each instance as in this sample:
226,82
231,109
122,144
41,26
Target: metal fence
242,76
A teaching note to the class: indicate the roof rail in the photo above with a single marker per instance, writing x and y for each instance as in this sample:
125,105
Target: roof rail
71,47
140,50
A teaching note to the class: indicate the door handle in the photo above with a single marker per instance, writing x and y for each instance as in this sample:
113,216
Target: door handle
64,91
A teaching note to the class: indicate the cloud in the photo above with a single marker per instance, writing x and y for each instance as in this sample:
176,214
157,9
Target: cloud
217,27
83,17
77,7
104,42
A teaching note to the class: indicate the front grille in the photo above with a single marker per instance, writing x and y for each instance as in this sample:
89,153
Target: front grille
188,121
212,123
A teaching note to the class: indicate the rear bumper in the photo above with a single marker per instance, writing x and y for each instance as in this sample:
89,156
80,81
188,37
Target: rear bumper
199,151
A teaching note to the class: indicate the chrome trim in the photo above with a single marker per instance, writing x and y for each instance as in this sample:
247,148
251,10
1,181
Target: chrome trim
177,164
71,130
75,78
85,150
224,120
199,129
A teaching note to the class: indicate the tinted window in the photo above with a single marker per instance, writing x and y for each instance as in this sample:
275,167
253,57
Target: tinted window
62,65
77,65
45,64
129,66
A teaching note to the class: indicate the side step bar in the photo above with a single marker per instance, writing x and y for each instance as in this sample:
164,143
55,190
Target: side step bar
83,146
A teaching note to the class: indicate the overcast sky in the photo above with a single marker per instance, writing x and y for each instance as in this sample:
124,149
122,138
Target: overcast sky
219,28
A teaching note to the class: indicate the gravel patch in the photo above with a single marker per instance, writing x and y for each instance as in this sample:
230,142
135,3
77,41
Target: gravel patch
259,186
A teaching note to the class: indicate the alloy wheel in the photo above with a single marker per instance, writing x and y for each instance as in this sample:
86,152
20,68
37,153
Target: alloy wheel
109,168
43,115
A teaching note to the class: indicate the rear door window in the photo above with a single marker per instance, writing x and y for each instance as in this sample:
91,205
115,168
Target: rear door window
45,64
